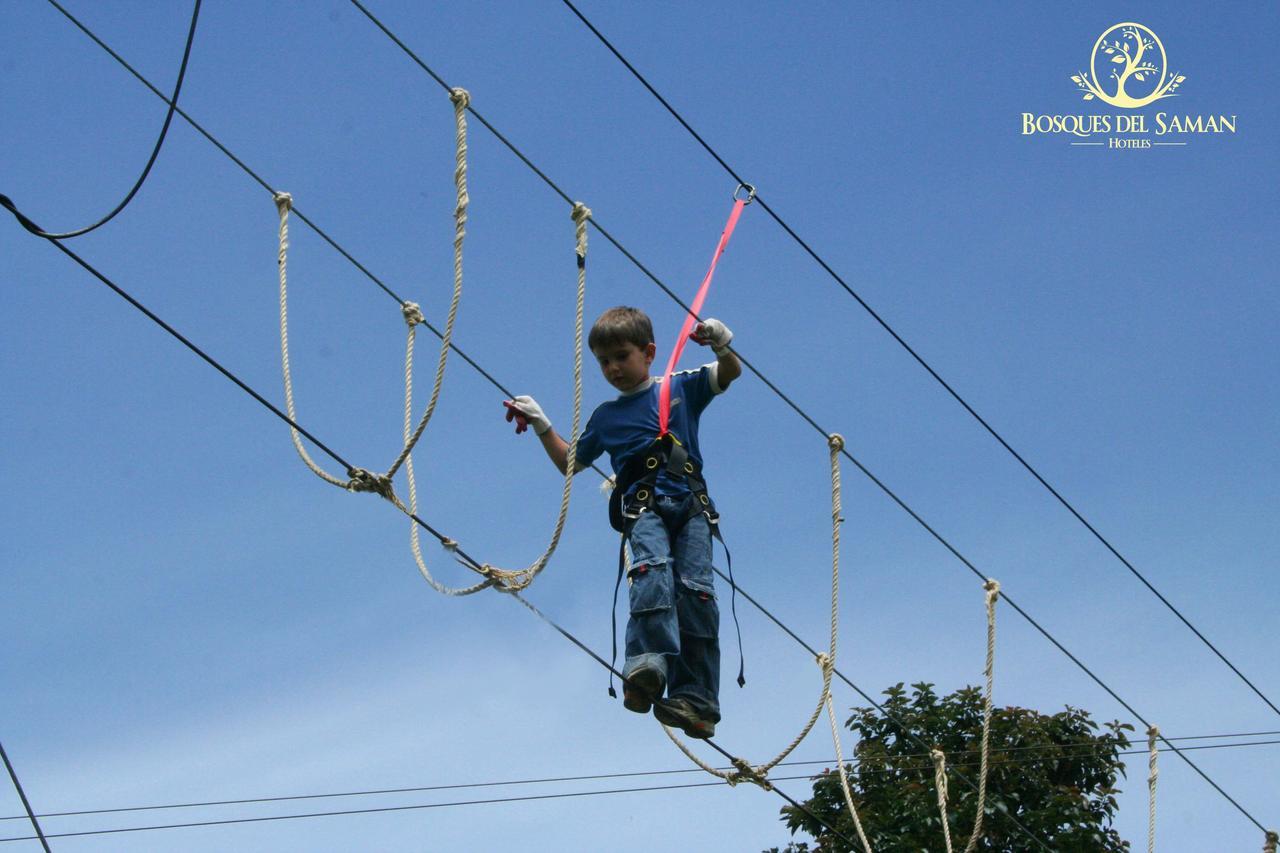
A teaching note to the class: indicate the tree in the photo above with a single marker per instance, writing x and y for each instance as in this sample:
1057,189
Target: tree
1056,774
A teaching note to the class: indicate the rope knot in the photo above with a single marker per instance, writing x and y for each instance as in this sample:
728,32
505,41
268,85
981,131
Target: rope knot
412,314
580,213
449,544
836,442
746,773
461,97
1273,838
284,202
992,586
366,481
824,662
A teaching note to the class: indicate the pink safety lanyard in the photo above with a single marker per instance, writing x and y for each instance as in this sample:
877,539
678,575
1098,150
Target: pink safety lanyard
664,393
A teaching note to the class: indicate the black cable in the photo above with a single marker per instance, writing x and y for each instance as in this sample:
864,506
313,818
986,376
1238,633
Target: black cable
26,804
1051,754
532,797
462,555
919,359
155,152
673,296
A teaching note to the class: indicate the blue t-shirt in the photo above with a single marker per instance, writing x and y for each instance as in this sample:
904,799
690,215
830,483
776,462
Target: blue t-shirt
628,425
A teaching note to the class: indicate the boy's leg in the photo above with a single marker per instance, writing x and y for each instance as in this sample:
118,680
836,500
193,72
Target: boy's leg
652,629
695,674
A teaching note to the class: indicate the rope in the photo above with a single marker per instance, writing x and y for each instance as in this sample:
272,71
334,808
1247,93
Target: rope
759,774
992,589
284,202
412,314
1273,838
514,580
844,776
1153,735
940,780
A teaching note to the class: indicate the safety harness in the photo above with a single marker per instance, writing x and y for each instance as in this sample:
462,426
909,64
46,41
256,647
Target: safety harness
665,454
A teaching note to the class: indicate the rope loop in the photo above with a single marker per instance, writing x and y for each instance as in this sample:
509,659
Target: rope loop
836,442
366,481
284,202
461,98
412,314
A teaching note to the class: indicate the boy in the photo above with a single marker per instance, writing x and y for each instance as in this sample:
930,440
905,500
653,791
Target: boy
672,638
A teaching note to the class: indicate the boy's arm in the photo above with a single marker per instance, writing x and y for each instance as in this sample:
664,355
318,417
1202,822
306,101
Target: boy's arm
715,334
526,412
557,449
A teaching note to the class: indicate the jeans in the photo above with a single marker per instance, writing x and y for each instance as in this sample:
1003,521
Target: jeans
675,621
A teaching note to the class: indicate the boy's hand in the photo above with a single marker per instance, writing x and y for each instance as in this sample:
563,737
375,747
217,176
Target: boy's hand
526,412
712,333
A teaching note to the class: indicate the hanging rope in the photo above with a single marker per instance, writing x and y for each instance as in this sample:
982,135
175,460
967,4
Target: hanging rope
362,480
412,314
992,590
284,202
1272,839
940,782
844,776
1153,736
759,774
506,580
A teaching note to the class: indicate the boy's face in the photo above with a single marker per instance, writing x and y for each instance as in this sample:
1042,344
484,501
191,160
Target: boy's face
625,365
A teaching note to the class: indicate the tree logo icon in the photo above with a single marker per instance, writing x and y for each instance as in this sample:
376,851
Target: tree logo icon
1137,66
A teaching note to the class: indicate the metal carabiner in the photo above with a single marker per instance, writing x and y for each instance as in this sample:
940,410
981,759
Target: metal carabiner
751,193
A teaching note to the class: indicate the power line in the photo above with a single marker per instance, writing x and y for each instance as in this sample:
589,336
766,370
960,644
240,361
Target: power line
22,795
418,807
674,297
384,809
155,151
919,359
1069,751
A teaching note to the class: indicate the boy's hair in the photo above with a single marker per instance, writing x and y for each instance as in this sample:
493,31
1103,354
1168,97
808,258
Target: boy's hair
621,325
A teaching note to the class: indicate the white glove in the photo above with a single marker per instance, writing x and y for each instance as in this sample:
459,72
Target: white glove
711,332
526,412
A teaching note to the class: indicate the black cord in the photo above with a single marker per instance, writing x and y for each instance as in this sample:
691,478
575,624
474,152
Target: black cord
464,557
1050,754
919,359
22,795
155,152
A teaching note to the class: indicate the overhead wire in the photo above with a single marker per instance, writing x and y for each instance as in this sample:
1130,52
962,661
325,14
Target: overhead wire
666,290
1048,754
384,809
466,559
921,361
418,807
22,795
155,151
883,487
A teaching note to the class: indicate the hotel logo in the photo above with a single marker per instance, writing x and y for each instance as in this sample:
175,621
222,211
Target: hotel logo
1128,69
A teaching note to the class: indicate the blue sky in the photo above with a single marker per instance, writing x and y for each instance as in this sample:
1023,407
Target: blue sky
188,614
